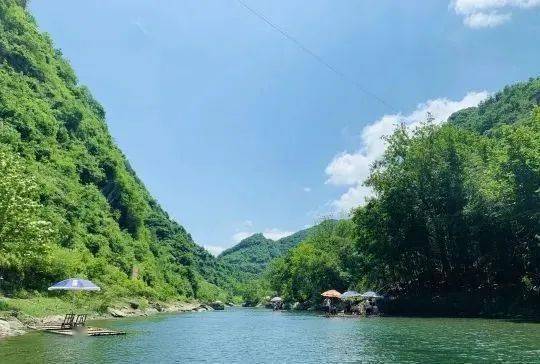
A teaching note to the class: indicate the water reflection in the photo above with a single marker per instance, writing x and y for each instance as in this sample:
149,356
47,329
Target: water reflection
263,336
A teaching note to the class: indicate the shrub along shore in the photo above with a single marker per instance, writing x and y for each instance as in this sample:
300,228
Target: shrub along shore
452,227
19,315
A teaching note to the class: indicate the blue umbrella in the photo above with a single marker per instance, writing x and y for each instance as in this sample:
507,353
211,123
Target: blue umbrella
74,284
371,294
349,294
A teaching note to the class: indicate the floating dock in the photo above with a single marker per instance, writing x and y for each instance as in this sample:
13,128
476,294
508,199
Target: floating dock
88,331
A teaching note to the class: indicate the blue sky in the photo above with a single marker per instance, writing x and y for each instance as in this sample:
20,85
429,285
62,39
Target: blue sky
235,130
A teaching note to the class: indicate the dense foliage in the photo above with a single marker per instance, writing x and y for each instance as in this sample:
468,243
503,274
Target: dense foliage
249,258
24,235
454,225
79,207
455,221
327,258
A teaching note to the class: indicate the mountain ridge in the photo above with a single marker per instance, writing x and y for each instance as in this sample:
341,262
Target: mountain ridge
250,257
105,225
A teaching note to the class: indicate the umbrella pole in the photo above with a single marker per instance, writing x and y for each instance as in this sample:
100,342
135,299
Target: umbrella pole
72,302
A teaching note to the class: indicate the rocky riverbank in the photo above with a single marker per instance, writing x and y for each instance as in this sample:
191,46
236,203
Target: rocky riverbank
14,323
11,326
132,309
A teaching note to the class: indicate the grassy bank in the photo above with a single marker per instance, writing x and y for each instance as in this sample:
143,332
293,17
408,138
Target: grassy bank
93,305
19,315
40,307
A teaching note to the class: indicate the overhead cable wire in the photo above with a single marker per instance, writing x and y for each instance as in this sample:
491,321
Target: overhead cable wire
315,56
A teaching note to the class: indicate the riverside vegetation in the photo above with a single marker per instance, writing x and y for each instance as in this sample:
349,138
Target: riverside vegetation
70,204
452,228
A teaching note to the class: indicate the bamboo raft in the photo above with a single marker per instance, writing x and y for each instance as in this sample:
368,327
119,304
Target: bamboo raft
88,331
76,325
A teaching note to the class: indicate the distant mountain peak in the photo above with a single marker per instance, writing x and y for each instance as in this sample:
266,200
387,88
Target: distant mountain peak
251,255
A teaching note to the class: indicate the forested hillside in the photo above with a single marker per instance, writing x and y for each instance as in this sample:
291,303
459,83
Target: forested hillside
70,204
327,258
249,258
453,227
454,224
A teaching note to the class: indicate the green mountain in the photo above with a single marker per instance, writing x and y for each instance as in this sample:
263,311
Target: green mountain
452,228
249,258
86,212
514,103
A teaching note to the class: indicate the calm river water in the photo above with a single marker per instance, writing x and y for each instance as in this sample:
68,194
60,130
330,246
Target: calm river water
263,336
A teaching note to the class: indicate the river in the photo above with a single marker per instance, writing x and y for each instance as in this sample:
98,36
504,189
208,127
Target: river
262,336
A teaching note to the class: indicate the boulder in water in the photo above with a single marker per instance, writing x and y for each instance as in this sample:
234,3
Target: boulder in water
11,327
116,313
217,305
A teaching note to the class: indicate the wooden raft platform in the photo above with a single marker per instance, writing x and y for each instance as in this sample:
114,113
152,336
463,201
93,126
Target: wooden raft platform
88,331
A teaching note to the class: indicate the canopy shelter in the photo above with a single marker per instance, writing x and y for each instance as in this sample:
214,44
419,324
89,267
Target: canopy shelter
350,295
276,299
71,320
331,294
371,294
74,284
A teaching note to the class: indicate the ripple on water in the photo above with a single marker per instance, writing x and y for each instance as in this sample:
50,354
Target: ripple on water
263,336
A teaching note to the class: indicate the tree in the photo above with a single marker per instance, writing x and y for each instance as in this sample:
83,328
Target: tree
324,260
24,234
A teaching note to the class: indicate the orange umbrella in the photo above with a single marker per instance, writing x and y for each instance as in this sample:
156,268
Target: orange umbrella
331,294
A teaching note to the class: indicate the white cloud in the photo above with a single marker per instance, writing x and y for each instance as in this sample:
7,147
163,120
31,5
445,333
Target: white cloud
276,234
214,249
307,189
241,235
489,13
471,6
486,20
351,169
243,231
354,197
347,169
269,233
